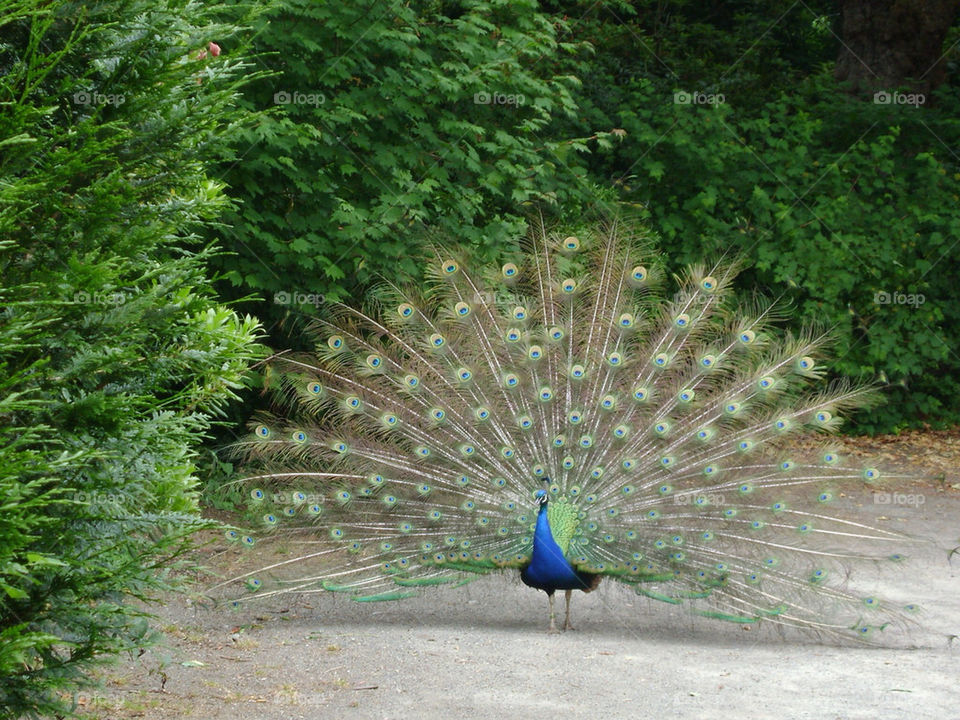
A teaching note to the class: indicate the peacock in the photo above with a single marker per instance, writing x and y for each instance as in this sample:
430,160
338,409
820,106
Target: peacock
574,414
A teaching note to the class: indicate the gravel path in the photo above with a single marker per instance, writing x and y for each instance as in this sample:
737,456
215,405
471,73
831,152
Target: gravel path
481,651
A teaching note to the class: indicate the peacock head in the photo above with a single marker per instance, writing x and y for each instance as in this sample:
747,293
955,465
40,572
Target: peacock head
541,497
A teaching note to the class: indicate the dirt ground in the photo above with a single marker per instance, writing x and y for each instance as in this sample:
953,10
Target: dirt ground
481,651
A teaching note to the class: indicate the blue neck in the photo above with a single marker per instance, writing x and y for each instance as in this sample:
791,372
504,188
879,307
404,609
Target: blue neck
548,569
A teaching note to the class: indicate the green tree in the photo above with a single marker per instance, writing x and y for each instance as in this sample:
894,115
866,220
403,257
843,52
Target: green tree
845,204
114,355
392,118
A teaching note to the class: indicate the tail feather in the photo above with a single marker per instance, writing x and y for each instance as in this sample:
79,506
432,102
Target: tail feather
664,427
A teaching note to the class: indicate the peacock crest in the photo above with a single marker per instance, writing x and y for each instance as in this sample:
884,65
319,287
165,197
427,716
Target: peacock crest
655,424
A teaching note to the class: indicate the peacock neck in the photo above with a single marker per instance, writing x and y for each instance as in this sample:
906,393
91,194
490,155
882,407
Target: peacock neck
542,534
549,569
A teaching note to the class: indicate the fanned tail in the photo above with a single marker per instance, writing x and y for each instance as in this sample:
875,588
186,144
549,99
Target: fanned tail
664,425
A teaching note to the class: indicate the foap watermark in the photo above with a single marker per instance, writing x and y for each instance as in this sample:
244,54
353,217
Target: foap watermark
682,97
95,98
296,498
908,499
898,298
884,97
99,298
700,300
298,98
86,700
298,298
498,98
100,498
500,297
698,499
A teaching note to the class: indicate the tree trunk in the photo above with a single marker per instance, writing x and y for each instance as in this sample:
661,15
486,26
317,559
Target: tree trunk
890,44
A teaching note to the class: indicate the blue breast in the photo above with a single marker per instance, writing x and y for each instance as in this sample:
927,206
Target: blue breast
548,569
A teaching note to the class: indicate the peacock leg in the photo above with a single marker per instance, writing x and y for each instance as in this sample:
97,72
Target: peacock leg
566,620
553,615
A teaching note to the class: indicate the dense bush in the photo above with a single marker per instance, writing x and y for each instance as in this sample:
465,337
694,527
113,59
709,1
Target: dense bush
392,118
114,356
376,142
846,206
